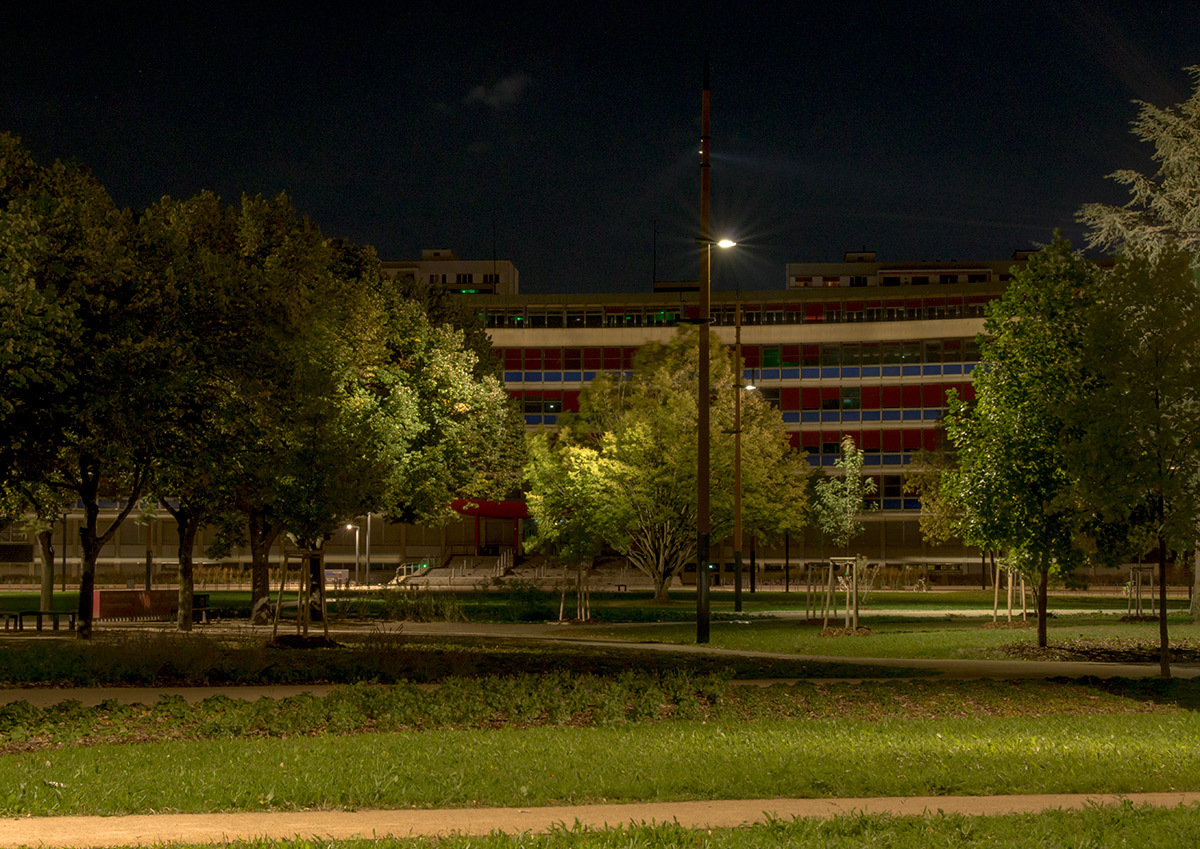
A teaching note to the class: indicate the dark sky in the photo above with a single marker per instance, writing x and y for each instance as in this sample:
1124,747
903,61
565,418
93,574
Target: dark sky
920,130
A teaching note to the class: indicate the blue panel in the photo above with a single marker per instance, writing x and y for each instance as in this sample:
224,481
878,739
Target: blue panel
871,460
912,504
748,375
870,415
828,460
932,415
890,371
589,376
572,377
533,420
810,373
791,418
911,371
553,377
790,373
830,372
969,367
533,377
770,374
892,503
891,415
550,420
850,371
850,415
912,415
831,415
934,368
813,459
952,368
870,371
810,416
512,377
892,459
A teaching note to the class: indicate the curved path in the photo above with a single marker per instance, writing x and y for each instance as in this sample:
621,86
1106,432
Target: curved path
156,829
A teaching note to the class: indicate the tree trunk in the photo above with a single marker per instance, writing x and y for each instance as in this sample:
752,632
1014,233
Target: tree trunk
1164,644
262,536
1043,584
1195,605
45,540
188,526
89,551
661,582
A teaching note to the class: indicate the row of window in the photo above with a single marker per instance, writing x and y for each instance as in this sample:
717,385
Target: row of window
761,313
792,399
859,280
755,356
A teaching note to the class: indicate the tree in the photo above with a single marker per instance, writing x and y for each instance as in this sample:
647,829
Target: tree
1163,214
1014,477
623,470
841,498
1140,452
82,402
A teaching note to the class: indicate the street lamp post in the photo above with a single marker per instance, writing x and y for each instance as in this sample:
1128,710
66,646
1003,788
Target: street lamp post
357,579
737,460
702,435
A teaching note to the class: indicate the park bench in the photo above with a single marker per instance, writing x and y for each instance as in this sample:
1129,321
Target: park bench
15,619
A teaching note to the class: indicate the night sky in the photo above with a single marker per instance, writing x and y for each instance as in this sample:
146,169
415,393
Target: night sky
924,131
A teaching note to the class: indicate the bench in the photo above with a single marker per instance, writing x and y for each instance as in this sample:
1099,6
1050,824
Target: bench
15,620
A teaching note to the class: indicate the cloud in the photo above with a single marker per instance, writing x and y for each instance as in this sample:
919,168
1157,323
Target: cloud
506,92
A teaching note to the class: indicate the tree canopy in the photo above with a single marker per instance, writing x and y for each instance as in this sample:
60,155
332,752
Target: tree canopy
622,472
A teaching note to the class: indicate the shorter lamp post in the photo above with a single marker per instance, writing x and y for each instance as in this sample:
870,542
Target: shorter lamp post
354,527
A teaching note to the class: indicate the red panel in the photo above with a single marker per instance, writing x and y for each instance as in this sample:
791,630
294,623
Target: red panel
912,439
870,397
512,359
612,358
790,354
810,398
968,392
789,399
830,392
750,355
933,395
627,358
571,400
794,439
890,440
912,396
572,359
552,359
932,439
892,397
870,440
811,438
814,312
593,358
517,393
533,359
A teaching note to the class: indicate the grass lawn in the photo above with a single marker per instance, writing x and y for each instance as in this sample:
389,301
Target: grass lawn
918,746
912,637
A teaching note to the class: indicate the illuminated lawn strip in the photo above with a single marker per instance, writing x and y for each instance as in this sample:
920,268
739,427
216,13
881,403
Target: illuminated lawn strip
890,637
661,761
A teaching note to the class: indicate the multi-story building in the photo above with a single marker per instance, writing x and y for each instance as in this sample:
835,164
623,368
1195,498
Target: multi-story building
440,267
861,347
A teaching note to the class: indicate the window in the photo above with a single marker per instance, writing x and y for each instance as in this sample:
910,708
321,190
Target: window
858,280
893,486
770,358
920,281
831,354
464,279
851,398
977,278
891,281
949,278
769,394
575,318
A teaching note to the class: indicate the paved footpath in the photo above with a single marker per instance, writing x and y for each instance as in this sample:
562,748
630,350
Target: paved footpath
150,829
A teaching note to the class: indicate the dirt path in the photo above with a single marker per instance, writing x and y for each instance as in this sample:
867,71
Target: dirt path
213,828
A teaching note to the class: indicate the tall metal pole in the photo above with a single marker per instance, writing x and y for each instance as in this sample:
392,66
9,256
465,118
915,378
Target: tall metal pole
737,460
367,553
702,436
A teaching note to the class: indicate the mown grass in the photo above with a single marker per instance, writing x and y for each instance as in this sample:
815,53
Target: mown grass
171,659
667,760
902,638
566,700
1091,828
